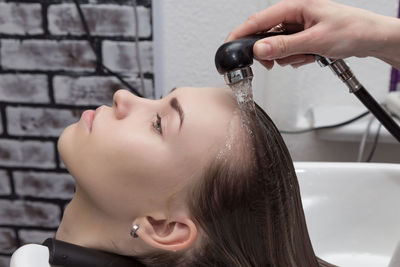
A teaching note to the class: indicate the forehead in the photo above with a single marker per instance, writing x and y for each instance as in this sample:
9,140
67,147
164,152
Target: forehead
213,97
209,114
206,106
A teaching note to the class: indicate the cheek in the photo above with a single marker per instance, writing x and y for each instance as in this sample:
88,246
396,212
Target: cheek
124,146
122,165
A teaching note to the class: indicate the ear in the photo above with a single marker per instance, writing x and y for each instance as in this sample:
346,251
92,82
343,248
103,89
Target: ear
166,234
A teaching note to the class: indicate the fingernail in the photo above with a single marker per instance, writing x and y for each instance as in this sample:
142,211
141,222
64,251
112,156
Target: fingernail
263,51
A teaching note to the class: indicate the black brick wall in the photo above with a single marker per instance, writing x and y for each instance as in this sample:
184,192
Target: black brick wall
48,76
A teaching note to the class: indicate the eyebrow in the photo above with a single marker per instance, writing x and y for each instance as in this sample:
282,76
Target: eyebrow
174,103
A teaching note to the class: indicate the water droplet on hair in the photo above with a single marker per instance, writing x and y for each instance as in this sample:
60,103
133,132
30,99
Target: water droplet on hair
243,91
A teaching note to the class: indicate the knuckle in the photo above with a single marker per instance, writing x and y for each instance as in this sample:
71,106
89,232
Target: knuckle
281,46
253,19
231,36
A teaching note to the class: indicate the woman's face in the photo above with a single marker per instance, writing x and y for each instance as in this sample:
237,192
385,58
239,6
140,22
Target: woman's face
137,154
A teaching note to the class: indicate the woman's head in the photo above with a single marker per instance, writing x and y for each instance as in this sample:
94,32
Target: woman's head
217,188
135,160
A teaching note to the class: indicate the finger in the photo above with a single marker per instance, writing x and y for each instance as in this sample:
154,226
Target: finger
285,45
295,59
263,20
268,64
307,61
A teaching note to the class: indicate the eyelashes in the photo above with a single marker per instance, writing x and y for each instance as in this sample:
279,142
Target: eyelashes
157,124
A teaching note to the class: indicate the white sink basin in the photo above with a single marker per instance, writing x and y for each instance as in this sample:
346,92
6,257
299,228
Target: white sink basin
352,211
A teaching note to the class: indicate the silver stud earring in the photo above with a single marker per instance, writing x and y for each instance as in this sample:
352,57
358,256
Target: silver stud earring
134,230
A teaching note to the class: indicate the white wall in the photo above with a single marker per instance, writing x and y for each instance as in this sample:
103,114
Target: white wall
186,36
188,33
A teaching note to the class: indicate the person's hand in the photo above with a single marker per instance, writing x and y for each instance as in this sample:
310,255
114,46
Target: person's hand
319,27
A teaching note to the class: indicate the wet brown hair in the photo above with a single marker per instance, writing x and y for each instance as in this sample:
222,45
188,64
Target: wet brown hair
248,208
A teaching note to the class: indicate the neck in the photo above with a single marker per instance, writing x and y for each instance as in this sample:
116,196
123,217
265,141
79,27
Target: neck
85,225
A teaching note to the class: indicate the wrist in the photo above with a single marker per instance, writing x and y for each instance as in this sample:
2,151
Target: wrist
385,44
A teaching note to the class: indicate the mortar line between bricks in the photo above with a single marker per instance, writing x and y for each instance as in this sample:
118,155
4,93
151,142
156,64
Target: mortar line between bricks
61,207
3,119
42,37
1,67
51,88
6,254
23,138
54,72
12,184
45,24
55,171
53,106
147,75
16,168
99,55
28,227
56,156
54,201
17,238
145,3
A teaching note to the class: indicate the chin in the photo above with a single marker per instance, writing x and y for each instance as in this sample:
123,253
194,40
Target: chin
65,144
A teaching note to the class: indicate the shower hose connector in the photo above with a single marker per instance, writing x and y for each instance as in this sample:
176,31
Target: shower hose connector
342,70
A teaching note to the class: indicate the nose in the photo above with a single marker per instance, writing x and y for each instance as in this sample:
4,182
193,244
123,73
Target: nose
123,103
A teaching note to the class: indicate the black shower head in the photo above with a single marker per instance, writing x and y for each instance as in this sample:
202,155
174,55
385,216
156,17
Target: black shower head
233,59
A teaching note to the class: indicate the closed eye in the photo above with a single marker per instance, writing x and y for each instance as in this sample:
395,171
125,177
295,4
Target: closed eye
157,124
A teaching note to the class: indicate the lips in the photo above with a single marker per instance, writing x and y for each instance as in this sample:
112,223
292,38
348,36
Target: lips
87,118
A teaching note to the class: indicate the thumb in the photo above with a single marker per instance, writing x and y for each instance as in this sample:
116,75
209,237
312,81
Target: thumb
282,46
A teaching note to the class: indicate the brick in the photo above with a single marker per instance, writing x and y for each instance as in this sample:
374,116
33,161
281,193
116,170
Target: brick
5,188
85,90
24,88
20,18
44,184
121,56
8,241
28,213
61,162
34,236
148,91
92,90
4,261
47,55
103,20
28,121
34,154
